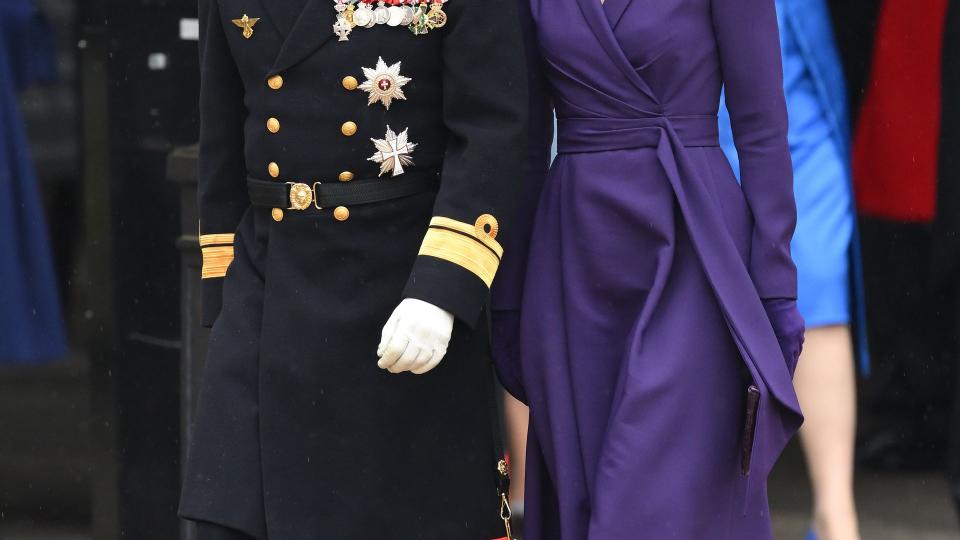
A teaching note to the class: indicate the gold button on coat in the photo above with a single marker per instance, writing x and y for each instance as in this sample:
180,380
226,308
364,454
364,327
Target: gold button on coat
273,125
348,128
350,83
277,214
275,82
273,169
341,213
346,176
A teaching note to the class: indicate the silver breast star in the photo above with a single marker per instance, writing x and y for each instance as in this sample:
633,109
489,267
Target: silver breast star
384,83
393,152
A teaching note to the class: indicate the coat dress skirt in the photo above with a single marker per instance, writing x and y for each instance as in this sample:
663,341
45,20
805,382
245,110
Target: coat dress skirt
31,328
298,434
642,280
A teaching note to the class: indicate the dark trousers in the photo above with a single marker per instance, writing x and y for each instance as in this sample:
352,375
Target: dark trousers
212,531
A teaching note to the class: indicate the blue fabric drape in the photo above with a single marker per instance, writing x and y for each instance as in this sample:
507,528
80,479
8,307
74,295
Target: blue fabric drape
31,328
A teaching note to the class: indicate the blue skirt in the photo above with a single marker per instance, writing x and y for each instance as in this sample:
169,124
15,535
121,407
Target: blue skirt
31,329
821,243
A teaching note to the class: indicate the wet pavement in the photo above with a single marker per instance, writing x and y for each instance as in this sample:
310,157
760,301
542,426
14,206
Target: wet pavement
45,474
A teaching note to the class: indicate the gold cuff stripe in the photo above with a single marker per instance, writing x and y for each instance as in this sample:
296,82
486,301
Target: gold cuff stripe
216,260
461,250
216,239
469,230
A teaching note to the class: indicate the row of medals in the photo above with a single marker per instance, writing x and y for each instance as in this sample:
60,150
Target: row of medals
420,16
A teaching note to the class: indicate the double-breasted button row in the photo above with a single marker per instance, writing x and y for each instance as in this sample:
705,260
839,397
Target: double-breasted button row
274,83
273,126
348,129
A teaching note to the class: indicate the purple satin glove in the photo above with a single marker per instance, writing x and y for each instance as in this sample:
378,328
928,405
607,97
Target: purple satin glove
788,327
505,349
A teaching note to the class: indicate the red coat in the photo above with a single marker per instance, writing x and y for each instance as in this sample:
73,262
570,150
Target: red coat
897,138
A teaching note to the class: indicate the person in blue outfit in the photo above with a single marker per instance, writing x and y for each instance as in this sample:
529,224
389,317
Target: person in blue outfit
819,138
31,328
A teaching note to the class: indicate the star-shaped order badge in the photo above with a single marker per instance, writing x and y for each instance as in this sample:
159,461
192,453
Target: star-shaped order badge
384,84
393,152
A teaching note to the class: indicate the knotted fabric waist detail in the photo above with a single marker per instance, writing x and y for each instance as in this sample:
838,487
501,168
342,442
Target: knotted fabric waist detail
575,135
727,273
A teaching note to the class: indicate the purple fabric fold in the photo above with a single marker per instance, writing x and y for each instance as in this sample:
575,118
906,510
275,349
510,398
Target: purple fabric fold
505,349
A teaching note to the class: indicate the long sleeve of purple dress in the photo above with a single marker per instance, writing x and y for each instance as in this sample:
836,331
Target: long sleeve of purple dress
753,78
507,292
749,49
508,288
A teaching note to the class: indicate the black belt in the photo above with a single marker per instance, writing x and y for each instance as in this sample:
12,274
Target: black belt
300,195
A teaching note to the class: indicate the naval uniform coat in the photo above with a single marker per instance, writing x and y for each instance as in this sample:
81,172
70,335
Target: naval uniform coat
299,435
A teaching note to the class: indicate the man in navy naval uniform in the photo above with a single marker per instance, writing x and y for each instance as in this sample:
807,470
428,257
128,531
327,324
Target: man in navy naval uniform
357,163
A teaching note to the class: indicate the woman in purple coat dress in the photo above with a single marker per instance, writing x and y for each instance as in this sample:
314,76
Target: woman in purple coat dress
649,317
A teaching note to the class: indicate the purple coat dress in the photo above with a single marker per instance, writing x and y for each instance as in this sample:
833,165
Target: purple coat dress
642,283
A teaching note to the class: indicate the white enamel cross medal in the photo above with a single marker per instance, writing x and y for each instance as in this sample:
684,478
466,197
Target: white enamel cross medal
393,152
342,29
384,84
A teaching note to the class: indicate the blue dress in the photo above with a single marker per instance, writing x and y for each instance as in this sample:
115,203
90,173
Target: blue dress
819,142
31,328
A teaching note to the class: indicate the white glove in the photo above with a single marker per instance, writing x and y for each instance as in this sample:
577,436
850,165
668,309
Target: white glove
415,338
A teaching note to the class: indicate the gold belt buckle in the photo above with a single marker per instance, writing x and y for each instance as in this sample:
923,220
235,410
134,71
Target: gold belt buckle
301,195
316,198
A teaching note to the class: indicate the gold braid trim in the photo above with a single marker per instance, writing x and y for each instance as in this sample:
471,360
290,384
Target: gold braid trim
469,230
216,260
216,239
458,242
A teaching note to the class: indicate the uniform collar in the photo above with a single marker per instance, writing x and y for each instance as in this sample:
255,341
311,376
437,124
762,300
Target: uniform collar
283,14
304,29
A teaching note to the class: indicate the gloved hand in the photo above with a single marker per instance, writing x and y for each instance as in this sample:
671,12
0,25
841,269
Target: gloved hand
788,327
415,337
506,351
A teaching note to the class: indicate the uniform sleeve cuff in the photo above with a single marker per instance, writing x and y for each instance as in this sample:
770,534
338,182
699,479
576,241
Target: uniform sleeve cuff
456,266
448,286
217,251
473,247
